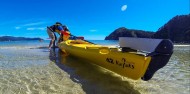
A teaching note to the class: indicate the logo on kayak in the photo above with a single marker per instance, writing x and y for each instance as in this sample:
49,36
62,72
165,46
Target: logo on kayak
122,63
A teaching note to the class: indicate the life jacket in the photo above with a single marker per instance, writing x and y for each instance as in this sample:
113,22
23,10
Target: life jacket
65,35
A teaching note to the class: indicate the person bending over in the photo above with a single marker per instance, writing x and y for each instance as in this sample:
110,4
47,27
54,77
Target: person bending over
57,27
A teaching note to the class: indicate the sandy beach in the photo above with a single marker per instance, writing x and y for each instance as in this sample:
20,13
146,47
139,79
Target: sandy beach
34,69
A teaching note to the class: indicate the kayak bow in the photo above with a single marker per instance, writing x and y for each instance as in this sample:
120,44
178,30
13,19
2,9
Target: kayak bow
133,63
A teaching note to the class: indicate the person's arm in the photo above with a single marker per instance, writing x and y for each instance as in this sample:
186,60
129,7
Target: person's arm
60,28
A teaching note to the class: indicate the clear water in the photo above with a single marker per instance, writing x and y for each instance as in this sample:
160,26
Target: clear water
28,67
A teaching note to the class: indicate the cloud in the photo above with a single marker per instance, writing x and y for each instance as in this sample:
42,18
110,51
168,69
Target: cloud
93,30
17,27
123,8
41,28
33,24
30,29
28,26
35,28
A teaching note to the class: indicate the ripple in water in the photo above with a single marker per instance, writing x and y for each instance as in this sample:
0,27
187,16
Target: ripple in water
26,70
30,71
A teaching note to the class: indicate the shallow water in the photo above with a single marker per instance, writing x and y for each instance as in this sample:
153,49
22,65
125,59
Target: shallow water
29,70
33,69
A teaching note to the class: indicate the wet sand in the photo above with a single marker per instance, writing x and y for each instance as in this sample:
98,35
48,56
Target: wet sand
26,70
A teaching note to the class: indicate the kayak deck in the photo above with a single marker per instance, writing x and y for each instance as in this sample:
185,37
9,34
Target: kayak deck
125,61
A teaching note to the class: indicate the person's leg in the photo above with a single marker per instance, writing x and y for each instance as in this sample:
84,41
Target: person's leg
52,37
51,43
55,38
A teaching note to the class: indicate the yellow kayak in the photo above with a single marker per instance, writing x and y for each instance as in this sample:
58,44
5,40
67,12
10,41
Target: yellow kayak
128,63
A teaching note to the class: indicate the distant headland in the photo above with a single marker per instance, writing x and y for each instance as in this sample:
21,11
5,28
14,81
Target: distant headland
177,30
11,38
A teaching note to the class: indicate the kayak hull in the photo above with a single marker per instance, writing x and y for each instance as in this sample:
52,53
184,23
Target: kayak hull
129,64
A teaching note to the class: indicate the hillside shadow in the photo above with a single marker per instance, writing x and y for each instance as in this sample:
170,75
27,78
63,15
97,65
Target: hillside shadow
93,79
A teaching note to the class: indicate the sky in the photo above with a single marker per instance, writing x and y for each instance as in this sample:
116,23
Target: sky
93,19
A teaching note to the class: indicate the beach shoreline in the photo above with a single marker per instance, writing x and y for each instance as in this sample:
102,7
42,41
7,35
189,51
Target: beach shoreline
181,45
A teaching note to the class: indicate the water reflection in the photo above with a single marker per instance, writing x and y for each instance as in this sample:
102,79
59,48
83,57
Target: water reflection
94,79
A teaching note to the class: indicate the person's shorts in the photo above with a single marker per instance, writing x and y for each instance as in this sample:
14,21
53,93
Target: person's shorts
51,34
